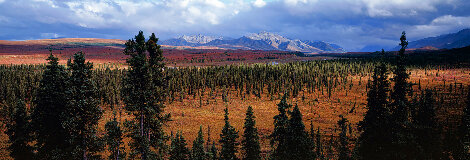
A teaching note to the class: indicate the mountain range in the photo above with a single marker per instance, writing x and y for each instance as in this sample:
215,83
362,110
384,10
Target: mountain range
257,41
446,41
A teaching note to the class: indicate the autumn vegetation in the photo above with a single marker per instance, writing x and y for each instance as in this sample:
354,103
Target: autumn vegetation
379,107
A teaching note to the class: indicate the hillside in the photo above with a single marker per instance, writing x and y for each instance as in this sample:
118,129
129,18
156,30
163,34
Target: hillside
447,41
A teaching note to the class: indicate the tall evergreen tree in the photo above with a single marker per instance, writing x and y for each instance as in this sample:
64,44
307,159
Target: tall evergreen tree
178,150
427,133
82,112
228,139
344,153
298,142
312,140
404,144
113,138
19,133
213,151
279,137
143,94
198,147
250,142
401,88
375,136
48,114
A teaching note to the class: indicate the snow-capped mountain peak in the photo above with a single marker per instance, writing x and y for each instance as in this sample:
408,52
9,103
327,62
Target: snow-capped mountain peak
200,39
257,41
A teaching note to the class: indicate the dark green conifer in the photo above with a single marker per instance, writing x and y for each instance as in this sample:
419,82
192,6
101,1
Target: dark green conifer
427,128
279,137
250,142
19,133
228,139
198,147
375,136
401,88
48,114
344,152
404,145
178,150
114,141
82,112
312,140
143,93
298,142
213,152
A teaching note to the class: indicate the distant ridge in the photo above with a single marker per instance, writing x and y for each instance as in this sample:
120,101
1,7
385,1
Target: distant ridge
258,41
447,41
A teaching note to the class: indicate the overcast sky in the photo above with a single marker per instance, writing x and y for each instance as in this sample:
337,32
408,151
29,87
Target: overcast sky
353,24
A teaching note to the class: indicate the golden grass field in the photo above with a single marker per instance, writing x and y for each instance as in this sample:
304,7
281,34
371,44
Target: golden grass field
188,115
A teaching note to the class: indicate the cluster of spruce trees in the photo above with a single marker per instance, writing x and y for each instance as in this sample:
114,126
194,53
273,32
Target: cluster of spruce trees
206,83
400,125
61,122
228,142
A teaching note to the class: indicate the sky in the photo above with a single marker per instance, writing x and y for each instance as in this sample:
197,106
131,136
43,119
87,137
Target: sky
356,25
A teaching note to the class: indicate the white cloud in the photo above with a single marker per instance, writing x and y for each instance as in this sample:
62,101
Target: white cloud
49,35
215,3
295,2
440,25
259,3
146,15
1,1
95,14
371,8
451,20
374,12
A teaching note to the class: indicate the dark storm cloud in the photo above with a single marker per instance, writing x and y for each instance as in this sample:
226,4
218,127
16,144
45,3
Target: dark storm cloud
353,24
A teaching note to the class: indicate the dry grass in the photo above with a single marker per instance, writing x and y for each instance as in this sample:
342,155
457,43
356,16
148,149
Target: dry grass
188,115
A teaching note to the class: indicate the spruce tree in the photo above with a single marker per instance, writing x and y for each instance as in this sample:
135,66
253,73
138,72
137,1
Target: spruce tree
375,136
113,138
213,152
19,133
312,140
404,144
48,114
401,88
298,142
344,153
427,128
178,150
250,142
143,93
228,140
83,111
279,137
198,147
